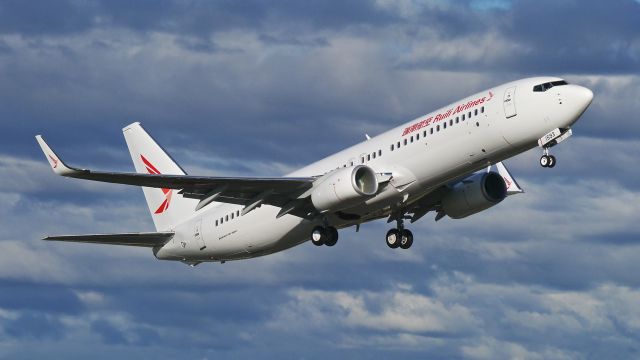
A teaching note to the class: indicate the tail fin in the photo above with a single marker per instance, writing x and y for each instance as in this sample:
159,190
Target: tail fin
166,206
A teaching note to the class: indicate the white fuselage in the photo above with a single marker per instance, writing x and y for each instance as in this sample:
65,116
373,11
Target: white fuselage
433,150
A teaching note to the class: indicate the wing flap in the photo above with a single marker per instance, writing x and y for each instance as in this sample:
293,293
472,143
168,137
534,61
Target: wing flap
149,239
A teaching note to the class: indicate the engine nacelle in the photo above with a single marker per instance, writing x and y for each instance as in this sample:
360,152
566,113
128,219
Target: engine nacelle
474,194
344,187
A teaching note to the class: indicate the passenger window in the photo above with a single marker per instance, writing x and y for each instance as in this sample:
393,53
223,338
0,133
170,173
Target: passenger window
457,119
374,155
362,159
417,136
475,112
379,152
226,218
405,141
216,222
438,128
238,211
411,138
391,147
431,131
424,133
462,117
469,115
450,122
369,157
398,144
444,126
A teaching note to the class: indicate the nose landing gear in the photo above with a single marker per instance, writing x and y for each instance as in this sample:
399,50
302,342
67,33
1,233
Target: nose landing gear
552,138
547,160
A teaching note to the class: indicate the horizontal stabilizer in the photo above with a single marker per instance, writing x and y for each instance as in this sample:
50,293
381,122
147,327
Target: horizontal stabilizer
149,239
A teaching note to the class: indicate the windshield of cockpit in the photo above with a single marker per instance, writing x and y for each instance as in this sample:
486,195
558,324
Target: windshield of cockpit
548,85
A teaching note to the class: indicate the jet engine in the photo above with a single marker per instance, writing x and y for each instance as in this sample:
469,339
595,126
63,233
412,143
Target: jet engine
344,187
474,194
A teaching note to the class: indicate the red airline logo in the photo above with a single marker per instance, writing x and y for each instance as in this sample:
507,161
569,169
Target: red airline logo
167,192
507,182
54,160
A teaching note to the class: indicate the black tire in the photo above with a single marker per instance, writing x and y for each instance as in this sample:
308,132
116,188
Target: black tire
406,240
552,161
393,238
318,235
332,236
544,161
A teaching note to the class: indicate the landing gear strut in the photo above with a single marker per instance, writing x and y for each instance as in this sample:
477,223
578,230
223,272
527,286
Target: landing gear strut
399,237
324,235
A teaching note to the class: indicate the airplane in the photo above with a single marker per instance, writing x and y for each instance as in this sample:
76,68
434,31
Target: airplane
438,163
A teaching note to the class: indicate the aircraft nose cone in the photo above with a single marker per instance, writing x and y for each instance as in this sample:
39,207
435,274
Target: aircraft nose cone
584,96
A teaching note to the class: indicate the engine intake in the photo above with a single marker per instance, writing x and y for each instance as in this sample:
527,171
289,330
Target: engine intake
474,194
344,187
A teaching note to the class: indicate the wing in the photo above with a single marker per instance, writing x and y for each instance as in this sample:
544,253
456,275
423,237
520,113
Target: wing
130,239
247,191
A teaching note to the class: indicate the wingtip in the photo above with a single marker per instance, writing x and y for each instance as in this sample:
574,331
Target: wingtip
57,165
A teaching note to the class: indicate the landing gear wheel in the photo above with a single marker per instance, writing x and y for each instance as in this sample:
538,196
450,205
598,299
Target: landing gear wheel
552,161
406,240
544,161
332,236
393,238
318,236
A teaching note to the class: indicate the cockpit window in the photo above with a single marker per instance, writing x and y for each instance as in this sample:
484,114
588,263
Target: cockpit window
548,85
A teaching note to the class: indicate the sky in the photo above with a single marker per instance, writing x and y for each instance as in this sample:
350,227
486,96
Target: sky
260,88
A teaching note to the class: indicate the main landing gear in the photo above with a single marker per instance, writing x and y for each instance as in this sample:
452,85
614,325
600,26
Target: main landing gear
324,235
399,237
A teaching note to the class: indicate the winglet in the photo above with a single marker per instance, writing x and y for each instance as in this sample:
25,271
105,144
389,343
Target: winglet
512,186
58,166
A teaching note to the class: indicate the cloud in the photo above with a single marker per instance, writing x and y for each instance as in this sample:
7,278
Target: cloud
598,37
198,18
401,311
257,88
34,326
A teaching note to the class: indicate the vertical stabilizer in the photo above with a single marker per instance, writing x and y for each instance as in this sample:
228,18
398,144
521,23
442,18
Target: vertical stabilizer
167,207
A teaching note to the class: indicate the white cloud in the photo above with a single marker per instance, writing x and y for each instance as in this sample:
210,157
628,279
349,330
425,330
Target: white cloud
19,261
397,311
